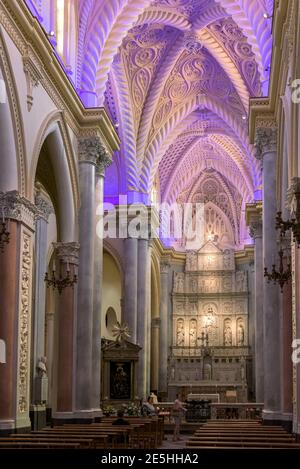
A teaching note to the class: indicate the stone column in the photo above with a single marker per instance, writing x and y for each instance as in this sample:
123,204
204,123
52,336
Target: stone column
67,256
266,144
293,190
286,340
255,223
130,284
90,151
155,361
38,334
164,329
142,314
104,161
15,311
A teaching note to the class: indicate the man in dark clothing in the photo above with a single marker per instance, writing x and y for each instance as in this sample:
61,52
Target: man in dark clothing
120,420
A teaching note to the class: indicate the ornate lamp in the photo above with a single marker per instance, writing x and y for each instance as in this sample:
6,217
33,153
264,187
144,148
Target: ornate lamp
294,223
4,233
280,276
61,282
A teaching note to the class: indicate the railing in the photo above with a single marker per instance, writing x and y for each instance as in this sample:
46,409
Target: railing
223,410
227,410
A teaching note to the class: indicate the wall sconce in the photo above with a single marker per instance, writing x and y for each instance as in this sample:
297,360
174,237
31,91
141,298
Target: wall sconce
4,232
292,224
279,276
60,283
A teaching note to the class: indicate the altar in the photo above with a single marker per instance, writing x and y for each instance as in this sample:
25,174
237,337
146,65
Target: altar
210,353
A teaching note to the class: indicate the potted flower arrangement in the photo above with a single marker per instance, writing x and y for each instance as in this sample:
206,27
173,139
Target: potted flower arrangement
132,409
109,410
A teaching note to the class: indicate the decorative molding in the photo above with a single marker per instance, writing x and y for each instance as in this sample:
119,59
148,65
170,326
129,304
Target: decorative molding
33,79
67,252
265,141
24,323
16,207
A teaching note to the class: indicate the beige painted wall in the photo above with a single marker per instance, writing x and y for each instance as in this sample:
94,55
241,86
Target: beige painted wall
112,291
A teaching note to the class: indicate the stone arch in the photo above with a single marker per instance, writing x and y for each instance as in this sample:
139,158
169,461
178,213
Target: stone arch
53,140
13,169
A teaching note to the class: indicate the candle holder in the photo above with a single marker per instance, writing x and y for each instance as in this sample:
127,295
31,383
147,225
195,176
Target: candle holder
61,282
280,276
4,235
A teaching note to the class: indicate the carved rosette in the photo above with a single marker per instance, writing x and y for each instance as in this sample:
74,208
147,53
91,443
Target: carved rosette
265,141
18,208
67,252
91,150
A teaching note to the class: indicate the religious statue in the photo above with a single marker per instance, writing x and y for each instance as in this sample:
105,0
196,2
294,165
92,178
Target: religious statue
194,285
41,367
180,333
241,281
193,333
178,282
207,372
227,336
240,335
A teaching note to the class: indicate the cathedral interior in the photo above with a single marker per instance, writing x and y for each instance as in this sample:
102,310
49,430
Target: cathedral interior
150,207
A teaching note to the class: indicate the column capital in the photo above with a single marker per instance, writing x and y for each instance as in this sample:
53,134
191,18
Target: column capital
67,252
265,141
16,207
91,150
255,229
254,219
44,207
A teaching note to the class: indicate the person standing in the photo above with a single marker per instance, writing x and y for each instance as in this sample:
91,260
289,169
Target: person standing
178,412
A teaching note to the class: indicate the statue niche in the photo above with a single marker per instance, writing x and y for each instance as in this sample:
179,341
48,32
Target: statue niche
193,333
180,333
227,333
240,333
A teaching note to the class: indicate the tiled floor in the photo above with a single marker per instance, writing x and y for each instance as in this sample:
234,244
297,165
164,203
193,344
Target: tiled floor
170,444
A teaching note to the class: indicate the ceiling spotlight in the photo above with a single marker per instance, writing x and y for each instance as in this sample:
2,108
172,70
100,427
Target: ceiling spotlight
267,16
244,118
52,33
117,125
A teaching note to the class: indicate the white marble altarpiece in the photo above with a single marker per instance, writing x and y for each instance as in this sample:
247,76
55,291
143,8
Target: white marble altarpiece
210,323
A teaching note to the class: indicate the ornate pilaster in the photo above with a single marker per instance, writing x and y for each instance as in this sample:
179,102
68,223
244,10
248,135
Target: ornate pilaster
164,327
15,310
